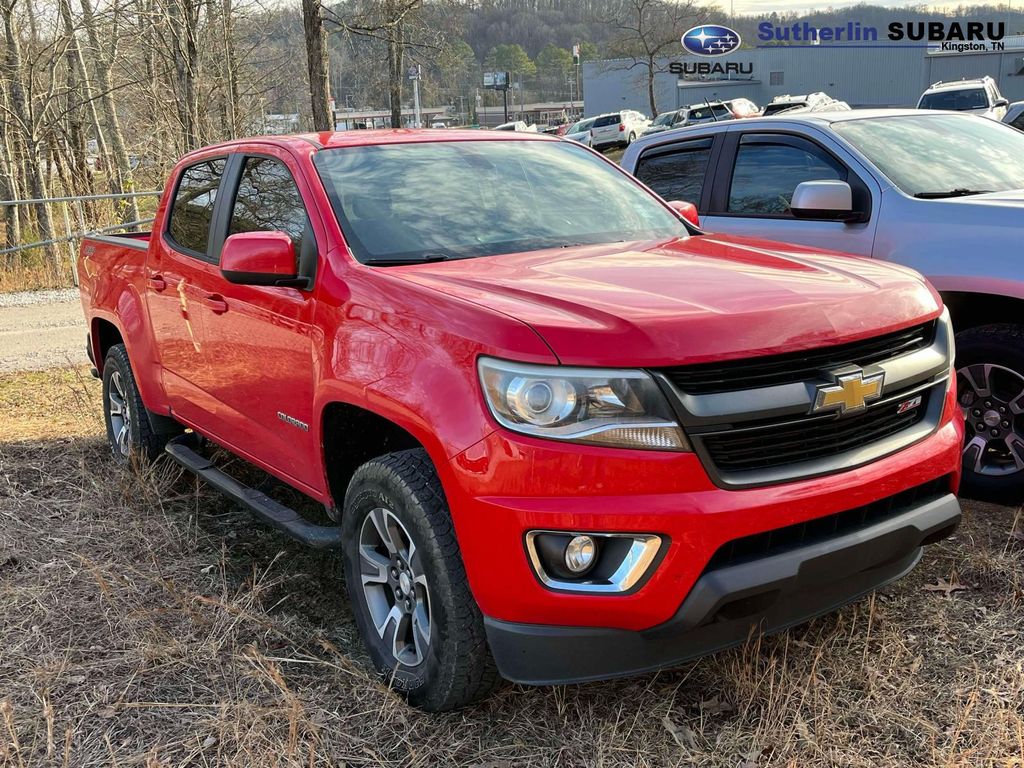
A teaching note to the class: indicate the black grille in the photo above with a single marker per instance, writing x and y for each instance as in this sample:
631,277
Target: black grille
750,373
810,438
770,543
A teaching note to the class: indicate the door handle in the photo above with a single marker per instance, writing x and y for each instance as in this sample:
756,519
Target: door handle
216,303
157,283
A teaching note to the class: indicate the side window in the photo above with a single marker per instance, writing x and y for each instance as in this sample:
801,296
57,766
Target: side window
677,175
192,209
268,201
765,176
1018,121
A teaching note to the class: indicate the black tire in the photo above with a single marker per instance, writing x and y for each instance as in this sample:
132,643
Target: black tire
455,668
1002,347
630,139
130,433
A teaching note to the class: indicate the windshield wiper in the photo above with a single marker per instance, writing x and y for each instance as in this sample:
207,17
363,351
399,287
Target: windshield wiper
960,192
424,258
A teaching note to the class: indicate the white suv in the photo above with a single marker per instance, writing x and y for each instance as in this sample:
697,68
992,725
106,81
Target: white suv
980,96
618,129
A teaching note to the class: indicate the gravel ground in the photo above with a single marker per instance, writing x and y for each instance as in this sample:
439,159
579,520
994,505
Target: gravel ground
41,329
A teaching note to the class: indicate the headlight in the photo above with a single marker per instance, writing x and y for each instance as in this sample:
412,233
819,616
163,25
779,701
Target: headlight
582,405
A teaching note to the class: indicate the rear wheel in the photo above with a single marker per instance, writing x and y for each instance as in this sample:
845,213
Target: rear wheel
630,139
408,587
990,387
129,430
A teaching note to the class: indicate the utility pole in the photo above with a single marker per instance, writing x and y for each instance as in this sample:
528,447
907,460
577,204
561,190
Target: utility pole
414,75
576,63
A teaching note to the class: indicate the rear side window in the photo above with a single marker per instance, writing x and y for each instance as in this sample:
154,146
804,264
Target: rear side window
268,201
766,175
192,209
677,175
607,120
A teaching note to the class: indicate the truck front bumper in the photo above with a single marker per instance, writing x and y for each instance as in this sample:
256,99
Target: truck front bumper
727,605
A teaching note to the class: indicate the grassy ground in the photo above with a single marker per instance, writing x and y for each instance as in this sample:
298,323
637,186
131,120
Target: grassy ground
145,621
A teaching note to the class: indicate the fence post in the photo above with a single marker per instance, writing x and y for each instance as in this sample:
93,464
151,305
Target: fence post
71,244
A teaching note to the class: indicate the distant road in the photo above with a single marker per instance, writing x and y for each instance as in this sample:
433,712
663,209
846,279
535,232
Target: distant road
41,329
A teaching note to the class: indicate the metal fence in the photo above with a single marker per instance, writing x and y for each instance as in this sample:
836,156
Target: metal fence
73,213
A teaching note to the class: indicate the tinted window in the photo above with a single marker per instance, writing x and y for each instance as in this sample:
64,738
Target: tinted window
715,112
914,152
268,201
192,211
607,120
774,109
968,98
1018,121
766,175
677,176
464,199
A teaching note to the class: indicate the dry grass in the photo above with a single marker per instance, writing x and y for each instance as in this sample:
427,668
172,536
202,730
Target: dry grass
36,276
145,621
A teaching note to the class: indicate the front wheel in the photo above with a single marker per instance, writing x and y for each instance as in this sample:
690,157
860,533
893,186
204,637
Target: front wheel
990,387
408,588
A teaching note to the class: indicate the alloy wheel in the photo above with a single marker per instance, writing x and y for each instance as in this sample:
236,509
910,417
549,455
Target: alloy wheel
992,399
395,586
120,414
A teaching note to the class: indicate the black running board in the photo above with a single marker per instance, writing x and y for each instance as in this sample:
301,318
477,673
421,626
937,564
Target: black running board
285,519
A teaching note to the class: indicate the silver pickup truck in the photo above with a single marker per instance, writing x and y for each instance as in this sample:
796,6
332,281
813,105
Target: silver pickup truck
941,192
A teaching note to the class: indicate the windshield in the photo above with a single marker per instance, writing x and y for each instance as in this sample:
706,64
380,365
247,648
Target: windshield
665,118
463,199
924,154
714,112
772,109
606,120
966,98
581,126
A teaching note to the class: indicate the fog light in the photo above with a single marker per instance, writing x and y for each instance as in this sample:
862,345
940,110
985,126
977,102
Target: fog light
600,563
580,554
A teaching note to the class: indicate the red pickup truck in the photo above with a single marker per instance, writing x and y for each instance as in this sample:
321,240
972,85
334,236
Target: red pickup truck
563,434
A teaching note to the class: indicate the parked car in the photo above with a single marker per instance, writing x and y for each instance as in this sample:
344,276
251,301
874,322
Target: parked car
742,108
689,115
562,434
617,129
979,95
1015,115
516,126
713,112
580,131
664,121
439,124
881,183
811,102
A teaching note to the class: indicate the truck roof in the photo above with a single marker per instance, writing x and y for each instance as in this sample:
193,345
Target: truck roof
333,139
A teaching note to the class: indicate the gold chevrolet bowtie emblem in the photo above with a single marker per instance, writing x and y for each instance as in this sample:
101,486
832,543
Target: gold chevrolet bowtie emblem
850,393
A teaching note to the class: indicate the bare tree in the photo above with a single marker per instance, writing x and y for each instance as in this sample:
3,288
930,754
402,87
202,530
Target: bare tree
102,57
644,32
317,65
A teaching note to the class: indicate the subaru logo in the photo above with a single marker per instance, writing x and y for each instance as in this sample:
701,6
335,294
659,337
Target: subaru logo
711,40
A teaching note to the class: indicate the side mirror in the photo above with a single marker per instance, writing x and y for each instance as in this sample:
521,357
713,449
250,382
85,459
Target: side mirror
1002,103
687,211
824,200
259,258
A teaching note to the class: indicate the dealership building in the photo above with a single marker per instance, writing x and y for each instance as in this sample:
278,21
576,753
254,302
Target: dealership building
887,76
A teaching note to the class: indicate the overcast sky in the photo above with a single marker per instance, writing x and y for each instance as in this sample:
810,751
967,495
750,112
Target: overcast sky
761,7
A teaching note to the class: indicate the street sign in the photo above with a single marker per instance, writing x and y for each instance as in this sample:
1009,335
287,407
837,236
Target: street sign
414,72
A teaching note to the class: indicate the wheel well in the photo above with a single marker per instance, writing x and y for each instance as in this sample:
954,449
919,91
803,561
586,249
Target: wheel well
351,437
969,310
104,336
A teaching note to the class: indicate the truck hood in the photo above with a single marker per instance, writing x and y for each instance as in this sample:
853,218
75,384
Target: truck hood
686,300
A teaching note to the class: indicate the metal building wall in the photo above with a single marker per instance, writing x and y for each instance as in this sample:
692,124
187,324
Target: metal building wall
876,77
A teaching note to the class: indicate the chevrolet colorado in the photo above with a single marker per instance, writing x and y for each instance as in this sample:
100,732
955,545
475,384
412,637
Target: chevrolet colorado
562,434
